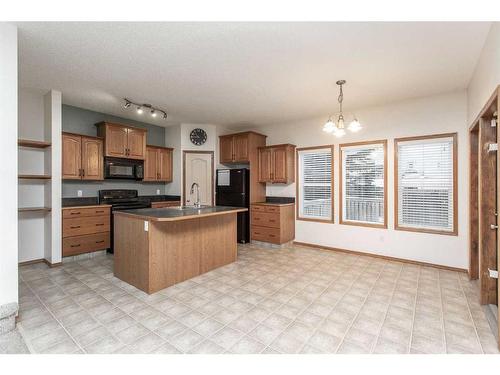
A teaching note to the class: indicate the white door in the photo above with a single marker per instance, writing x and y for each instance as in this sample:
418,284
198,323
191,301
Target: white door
198,168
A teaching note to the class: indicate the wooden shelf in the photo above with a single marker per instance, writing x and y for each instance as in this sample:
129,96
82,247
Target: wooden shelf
33,144
34,177
34,209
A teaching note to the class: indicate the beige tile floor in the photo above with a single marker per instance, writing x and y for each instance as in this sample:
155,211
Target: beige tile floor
290,300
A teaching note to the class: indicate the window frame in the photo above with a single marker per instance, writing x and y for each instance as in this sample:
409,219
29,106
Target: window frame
298,182
383,225
454,231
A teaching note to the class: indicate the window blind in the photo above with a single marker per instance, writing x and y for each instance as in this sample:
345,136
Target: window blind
425,184
363,183
315,183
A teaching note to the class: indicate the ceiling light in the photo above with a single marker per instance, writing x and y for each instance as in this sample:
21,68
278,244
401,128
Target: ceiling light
339,129
140,108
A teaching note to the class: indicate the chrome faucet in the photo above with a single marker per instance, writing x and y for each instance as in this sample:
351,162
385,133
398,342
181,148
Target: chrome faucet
197,203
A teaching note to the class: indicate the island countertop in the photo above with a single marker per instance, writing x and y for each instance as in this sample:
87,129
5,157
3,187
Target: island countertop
177,213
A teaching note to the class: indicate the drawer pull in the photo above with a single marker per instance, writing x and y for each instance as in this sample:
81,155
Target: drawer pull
272,220
99,212
75,227
75,245
75,213
256,232
99,225
272,235
256,218
100,241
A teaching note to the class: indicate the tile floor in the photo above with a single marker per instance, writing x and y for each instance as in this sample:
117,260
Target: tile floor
290,300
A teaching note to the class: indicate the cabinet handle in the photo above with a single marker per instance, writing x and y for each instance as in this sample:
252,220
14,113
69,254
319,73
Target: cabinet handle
75,227
256,218
100,241
75,245
99,225
75,213
256,232
80,172
271,220
83,172
99,212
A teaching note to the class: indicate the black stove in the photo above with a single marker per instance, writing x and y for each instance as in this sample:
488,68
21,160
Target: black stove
121,200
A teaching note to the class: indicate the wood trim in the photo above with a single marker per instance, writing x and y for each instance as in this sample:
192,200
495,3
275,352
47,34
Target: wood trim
454,232
383,142
42,260
386,257
34,209
473,204
34,177
242,133
279,145
160,147
83,135
184,173
120,125
490,104
32,144
297,184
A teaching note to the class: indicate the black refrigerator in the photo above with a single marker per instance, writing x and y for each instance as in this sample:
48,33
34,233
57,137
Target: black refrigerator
233,189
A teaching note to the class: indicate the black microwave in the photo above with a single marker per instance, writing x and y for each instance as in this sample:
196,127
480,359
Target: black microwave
126,169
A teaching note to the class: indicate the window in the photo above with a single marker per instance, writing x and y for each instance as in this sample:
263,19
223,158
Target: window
363,184
315,183
426,186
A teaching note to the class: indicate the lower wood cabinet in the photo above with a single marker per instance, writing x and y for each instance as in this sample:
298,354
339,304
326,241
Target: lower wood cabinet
272,222
85,229
164,204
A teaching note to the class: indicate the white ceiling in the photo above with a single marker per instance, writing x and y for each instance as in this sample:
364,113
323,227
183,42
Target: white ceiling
240,73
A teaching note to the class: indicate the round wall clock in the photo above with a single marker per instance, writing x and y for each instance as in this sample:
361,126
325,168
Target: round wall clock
198,136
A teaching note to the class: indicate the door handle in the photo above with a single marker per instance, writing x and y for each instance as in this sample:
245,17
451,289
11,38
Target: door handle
493,226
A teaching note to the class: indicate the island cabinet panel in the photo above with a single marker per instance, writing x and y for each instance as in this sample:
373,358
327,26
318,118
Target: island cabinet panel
217,242
82,157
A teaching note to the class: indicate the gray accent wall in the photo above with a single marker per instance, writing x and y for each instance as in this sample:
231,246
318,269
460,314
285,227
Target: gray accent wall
81,121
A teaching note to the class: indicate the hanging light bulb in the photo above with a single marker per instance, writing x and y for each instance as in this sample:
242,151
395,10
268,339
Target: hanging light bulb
127,104
329,126
153,113
355,126
339,132
340,122
139,110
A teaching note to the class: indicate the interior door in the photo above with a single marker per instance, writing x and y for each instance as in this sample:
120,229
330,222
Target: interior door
279,165
92,159
198,168
136,143
226,149
151,164
265,165
71,157
116,141
240,145
165,165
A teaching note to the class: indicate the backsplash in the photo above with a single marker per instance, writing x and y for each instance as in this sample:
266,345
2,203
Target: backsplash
91,189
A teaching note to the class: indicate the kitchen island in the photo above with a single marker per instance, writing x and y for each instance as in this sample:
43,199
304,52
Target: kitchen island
155,248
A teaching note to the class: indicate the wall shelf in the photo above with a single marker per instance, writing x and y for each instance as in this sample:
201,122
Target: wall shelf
34,209
34,177
33,144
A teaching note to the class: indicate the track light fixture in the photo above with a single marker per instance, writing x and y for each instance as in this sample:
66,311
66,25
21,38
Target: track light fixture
140,108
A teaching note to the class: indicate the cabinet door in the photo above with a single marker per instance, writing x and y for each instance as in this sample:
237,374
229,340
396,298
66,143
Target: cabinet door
136,144
92,159
165,165
71,157
116,141
279,173
240,145
226,149
151,164
265,165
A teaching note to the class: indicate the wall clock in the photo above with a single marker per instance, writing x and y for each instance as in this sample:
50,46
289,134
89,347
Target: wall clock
198,136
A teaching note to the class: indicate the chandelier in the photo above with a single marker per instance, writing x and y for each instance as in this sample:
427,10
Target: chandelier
338,128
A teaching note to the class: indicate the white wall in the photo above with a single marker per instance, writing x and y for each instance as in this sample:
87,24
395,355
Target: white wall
431,115
486,76
8,169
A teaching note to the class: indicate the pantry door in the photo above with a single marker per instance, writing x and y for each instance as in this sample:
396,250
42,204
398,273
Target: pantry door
198,167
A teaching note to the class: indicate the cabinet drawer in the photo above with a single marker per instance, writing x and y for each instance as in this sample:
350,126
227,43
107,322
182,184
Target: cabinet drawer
266,219
85,212
265,234
258,208
165,204
84,244
85,225
272,209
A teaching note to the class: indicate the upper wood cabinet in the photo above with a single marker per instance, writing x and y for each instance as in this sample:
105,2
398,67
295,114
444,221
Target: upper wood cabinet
238,148
277,164
158,165
82,157
122,141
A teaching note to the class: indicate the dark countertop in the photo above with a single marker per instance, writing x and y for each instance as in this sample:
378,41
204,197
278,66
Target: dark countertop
175,214
280,200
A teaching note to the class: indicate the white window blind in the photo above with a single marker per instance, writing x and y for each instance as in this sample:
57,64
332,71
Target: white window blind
363,178
425,184
315,183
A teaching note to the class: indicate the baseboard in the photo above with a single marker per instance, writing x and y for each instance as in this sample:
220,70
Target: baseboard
34,261
386,257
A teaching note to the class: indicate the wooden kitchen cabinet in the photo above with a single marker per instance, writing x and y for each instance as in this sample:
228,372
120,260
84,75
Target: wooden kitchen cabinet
238,148
158,165
277,164
272,222
82,157
122,141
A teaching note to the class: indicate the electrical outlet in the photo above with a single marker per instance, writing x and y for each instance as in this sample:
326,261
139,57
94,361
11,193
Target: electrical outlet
79,193
157,191
146,226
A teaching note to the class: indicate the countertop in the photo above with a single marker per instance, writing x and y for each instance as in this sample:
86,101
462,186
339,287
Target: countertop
85,206
175,214
272,204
